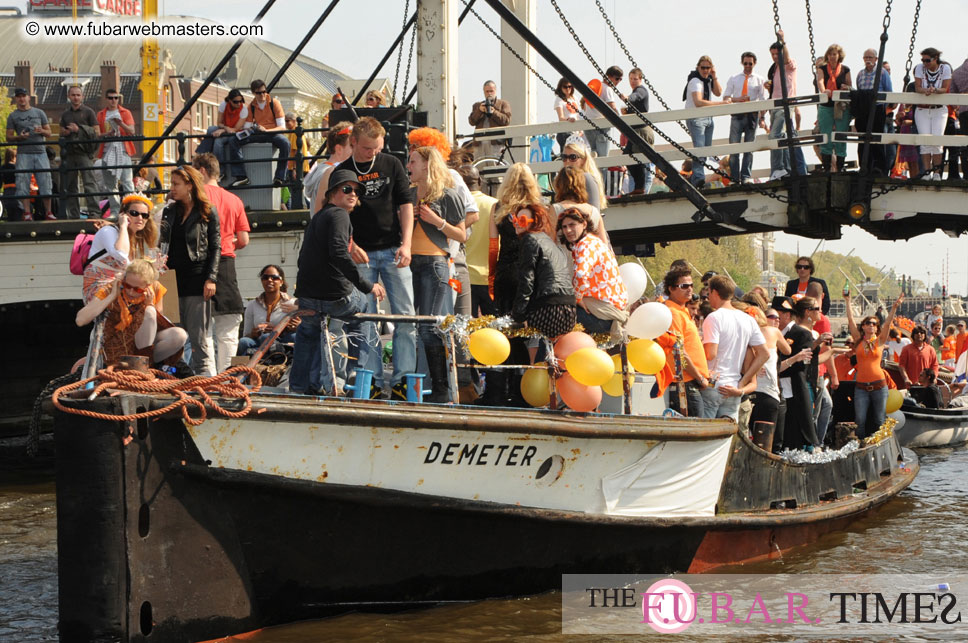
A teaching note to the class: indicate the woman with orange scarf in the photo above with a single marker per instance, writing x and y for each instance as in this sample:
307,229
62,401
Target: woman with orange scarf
133,326
833,75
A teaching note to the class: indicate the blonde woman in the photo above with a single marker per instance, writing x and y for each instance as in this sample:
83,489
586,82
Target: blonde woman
518,188
576,154
439,217
134,236
374,99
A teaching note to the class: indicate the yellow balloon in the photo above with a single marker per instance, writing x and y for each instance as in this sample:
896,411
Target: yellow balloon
535,388
489,346
894,400
613,386
646,356
590,366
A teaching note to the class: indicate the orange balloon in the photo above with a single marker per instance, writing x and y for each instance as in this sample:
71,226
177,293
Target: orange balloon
578,397
571,342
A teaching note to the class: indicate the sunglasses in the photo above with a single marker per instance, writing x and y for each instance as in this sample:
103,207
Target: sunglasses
567,86
570,157
926,60
683,286
237,101
349,189
814,308
751,64
803,267
271,278
772,316
136,213
705,68
523,220
869,322
113,97
134,288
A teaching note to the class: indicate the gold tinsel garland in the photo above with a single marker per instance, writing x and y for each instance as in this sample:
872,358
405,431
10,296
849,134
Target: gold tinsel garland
883,433
462,327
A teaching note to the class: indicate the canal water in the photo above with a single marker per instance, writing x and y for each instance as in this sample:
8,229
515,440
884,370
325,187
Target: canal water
919,532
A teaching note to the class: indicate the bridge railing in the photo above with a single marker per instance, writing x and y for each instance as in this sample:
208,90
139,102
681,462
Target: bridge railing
907,98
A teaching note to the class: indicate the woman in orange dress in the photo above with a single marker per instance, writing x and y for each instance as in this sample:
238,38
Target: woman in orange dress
870,394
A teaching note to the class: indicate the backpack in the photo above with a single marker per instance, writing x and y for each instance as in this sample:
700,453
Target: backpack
80,251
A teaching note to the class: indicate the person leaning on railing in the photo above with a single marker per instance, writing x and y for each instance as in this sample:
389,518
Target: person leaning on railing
932,76
833,75
701,85
566,108
232,115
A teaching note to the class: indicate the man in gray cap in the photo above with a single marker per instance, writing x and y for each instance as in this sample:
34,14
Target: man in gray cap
329,283
28,126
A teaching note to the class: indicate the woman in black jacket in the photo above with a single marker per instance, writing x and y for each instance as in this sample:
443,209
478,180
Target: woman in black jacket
545,297
191,238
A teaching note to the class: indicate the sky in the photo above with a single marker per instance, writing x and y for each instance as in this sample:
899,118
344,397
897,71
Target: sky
666,44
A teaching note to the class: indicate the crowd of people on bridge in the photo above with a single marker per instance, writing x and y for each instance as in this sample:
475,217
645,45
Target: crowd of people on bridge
704,88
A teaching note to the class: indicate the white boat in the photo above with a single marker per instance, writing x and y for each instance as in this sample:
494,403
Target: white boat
933,427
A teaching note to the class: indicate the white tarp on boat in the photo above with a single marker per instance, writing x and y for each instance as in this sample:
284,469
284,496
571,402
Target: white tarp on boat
672,479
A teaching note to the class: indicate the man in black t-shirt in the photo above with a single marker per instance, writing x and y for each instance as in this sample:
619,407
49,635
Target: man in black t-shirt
382,228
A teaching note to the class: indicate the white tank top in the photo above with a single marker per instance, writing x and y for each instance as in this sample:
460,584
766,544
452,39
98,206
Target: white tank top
766,381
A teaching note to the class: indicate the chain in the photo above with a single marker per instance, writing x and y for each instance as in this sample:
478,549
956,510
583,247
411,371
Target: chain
628,55
813,50
887,15
773,194
396,74
910,57
406,76
776,19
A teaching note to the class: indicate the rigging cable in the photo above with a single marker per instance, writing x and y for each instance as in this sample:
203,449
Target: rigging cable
628,55
396,74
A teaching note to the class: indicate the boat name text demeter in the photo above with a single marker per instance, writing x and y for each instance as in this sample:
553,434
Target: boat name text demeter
480,454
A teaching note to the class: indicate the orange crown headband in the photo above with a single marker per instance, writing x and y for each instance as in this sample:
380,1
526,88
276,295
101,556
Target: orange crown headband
139,198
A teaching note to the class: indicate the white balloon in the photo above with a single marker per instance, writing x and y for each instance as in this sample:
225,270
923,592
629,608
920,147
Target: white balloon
649,320
635,279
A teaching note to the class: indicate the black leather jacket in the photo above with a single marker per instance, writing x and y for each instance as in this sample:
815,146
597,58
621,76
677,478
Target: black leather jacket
543,275
203,240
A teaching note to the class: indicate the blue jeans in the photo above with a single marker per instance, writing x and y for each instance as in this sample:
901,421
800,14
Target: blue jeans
742,129
780,158
279,141
717,405
874,402
309,347
247,344
399,285
597,141
432,295
701,131
592,323
215,144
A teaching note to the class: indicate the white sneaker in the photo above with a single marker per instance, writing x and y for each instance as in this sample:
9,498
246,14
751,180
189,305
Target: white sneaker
778,174
936,176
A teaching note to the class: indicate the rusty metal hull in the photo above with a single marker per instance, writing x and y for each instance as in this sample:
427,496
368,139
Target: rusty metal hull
155,543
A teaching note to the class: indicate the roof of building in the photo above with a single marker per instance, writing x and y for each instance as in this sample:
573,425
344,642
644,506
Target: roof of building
51,87
255,58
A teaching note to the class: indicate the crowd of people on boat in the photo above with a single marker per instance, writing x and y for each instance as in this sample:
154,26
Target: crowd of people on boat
426,239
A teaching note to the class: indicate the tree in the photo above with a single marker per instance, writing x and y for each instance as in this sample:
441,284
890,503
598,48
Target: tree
5,110
733,255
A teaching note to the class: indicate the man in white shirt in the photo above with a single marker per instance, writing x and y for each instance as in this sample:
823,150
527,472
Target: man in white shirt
598,141
727,334
744,87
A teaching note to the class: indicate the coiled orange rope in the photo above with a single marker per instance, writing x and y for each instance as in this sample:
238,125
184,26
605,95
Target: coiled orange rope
157,382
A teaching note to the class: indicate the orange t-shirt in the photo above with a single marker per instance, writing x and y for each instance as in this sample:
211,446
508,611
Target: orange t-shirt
949,348
845,370
869,363
682,324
